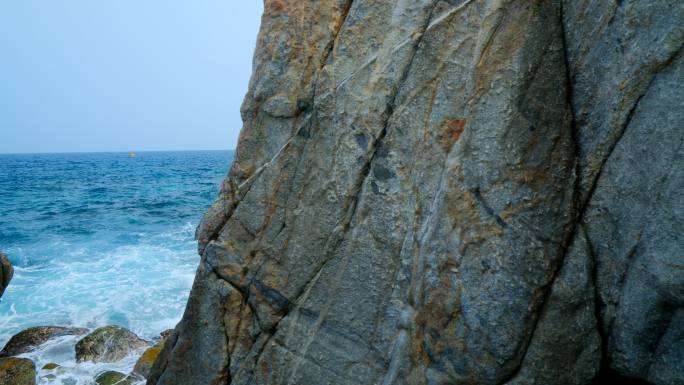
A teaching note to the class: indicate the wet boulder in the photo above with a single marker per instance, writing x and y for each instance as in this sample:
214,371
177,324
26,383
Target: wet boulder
108,344
29,339
17,371
111,377
49,372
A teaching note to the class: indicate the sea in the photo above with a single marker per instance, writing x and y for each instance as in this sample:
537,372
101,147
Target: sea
99,239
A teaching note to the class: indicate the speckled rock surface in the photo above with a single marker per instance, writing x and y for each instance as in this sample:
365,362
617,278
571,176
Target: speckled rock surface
6,273
448,192
28,339
108,344
17,371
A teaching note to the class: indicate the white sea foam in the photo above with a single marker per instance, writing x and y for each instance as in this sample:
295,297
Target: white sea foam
61,350
142,287
95,241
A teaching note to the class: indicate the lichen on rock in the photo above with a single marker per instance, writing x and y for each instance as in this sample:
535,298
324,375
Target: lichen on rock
144,364
17,371
108,344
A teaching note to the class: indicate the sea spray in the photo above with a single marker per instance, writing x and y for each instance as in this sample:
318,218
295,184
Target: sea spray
100,239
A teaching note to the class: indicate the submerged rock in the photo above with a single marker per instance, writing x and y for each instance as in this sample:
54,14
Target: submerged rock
448,192
108,344
17,371
50,366
113,378
50,372
29,339
6,273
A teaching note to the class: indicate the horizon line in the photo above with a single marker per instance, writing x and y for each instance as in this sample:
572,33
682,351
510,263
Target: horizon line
108,152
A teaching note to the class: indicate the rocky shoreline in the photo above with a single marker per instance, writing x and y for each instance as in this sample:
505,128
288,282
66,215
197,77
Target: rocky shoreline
107,344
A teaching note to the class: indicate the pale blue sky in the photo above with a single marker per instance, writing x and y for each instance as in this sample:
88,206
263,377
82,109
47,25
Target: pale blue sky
124,75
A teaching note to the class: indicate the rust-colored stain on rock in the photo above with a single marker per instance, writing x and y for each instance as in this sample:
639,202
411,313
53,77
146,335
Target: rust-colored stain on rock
275,5
451,133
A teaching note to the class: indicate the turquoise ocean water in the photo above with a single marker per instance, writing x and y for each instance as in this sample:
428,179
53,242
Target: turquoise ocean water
102,238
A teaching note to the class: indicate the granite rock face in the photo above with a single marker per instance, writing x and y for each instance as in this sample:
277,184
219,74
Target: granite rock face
448,192
6,273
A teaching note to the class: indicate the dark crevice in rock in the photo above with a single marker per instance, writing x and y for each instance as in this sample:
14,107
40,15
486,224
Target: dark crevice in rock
230,203
391,106
351,197
669,310
337,235
355,190
269,334
376,146
492,35
606,375
272,296
286,305
546,294
609,153
297,306
570,97
487,208
570,235
260,350
306,126
623,128
631,254
599,305
236,194
224,311
331,45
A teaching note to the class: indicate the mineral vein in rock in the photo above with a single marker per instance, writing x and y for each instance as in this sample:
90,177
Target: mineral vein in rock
448,192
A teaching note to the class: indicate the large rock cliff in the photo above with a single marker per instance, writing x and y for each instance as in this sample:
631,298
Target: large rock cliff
448,192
